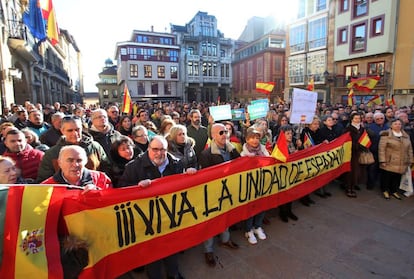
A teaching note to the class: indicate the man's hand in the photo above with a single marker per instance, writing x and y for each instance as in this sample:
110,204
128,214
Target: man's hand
190,171
144,183
89,187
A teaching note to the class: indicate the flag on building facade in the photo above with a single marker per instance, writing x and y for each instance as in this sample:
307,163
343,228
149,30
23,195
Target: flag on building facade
364,84
265,87
308,141
351,97
33,19
127,102
49,15
311,84
364,139
376,100
281,151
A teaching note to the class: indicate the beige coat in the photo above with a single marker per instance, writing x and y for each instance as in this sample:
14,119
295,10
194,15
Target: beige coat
395,152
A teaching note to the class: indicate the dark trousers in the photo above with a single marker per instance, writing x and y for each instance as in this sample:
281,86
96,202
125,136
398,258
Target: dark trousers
154,269
285,209
390,181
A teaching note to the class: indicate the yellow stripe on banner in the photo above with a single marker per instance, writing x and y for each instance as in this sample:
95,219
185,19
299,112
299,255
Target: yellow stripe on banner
120,226
31,258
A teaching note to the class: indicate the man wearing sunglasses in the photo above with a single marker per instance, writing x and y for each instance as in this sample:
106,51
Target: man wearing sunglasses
220,151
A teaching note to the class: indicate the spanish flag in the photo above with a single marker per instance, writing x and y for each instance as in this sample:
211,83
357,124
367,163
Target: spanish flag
31,246
390,101
364,84
308,141
127,103
364,139
280,151
265,87
376,100
311,84
49,15
351,97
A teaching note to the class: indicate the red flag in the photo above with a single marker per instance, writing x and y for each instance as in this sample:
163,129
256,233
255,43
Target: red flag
311,84
364,84
281,151
265,87
127,103
49,15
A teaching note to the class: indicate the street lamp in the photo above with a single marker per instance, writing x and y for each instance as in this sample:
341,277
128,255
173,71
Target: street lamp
328,80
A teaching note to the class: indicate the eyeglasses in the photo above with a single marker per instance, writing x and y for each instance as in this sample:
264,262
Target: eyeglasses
334,118
155,149
379,118
140,136
223,132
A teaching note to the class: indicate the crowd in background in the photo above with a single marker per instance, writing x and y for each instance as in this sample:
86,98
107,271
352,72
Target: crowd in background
33,135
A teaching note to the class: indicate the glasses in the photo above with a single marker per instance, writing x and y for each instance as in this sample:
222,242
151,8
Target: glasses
379,118
140,136
223,132
114,111
334,118
156,150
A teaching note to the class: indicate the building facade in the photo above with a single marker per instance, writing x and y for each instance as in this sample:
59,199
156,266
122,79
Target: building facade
32,70
108,89
149,65
205,60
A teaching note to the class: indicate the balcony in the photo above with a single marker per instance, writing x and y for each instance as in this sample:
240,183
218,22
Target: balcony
21,41
342,81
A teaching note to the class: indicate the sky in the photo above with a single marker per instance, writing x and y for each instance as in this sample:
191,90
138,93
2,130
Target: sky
98,25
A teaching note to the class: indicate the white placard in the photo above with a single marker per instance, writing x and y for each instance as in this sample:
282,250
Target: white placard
303,106
220,112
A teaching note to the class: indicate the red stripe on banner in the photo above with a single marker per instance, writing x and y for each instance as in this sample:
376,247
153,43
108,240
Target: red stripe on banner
11,230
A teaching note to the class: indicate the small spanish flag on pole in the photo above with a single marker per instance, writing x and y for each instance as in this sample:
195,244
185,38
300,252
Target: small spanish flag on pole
311,84
280,151
127,103
351,97
364,139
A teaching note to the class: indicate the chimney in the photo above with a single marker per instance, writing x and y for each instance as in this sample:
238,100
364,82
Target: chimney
152,28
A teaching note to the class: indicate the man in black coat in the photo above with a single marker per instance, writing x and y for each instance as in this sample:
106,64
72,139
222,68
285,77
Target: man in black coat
154,163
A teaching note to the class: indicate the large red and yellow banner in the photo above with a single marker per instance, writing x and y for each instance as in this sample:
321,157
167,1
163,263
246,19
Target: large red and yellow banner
130,227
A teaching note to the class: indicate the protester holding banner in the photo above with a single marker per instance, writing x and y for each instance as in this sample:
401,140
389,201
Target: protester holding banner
285,210
154,163
220,151
395,155
182,146
8,171
252,147
311,136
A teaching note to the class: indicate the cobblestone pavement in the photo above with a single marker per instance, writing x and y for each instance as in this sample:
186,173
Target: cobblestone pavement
338,237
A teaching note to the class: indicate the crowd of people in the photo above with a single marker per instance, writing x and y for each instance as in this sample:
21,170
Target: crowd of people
99,148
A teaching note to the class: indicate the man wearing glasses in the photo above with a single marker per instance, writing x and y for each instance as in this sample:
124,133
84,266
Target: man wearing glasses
220,151
113,115
154,163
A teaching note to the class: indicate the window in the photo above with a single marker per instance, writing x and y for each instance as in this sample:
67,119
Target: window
377,26
359,38
115,93
161,71
173,72
318,32
190,51
105,94
225,70
148,71
351,71
141,88
278,64
376,68
320,5
297,38
154,88
167,88
342,35
133,70
343,6
360,8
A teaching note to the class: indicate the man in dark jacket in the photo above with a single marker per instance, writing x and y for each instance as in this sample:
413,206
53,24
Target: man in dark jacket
102,131
53,134
220,151
72,134
154,163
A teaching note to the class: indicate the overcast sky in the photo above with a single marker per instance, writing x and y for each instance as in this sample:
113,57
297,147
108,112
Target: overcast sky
98,25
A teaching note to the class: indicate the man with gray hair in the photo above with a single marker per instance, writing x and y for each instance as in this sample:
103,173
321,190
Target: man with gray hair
53,134
72,171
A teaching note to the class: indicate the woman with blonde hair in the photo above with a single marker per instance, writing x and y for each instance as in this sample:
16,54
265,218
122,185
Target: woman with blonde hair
182,146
